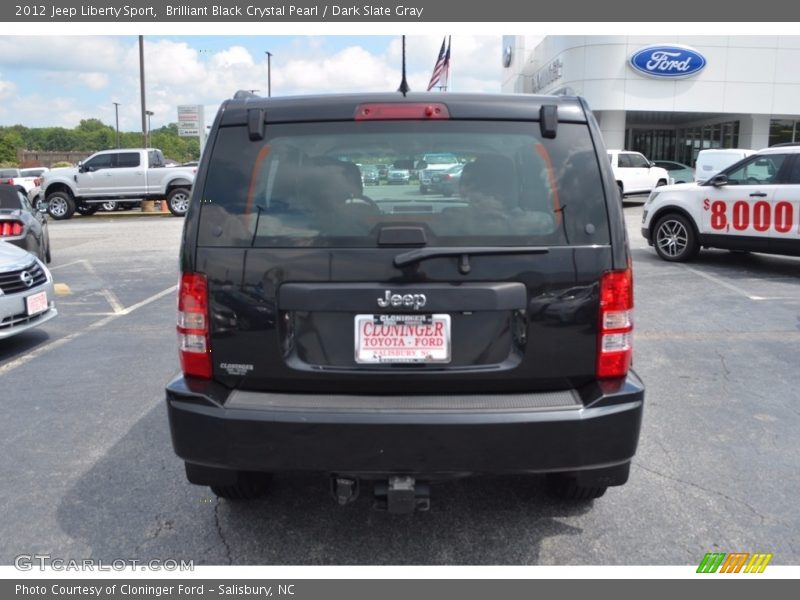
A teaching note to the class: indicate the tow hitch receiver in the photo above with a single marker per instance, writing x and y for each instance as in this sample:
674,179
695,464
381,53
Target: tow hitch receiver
344,489
402,495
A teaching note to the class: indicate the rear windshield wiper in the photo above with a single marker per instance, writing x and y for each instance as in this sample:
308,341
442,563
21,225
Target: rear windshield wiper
412,256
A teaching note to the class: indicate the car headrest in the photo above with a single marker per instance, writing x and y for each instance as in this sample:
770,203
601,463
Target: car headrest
492,175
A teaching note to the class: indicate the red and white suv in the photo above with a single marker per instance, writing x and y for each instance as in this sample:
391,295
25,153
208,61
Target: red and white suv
752,205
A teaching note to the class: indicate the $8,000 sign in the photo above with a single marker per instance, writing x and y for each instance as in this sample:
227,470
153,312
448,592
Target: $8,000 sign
760,218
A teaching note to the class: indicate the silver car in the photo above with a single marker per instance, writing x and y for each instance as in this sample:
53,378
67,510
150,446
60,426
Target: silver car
401,176
26,291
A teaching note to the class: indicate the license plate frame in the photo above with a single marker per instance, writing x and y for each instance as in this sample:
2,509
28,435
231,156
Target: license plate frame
426,339
36,303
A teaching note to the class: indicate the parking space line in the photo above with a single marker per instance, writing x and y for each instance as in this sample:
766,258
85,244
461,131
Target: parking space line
147,301
112,299
33,354
69,264
783,336
107,293
724,284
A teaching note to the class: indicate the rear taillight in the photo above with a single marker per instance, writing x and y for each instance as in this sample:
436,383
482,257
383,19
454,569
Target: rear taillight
37,182
193,339
615,345
9,181
11,228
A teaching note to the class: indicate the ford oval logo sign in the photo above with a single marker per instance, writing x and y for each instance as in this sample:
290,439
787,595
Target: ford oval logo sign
669,62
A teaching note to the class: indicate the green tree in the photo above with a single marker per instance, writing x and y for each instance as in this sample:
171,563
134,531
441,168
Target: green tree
10,140
92,135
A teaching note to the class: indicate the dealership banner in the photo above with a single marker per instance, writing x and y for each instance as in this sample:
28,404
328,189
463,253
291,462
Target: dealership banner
410,11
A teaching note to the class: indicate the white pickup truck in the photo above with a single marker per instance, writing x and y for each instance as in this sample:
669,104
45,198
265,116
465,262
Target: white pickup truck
18,179
130,173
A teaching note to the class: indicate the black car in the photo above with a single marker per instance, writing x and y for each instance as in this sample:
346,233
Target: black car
395,340
370,175
21,224
446,183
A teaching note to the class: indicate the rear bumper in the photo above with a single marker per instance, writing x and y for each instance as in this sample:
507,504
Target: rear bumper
524,433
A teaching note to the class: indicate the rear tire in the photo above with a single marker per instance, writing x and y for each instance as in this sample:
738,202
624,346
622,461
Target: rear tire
568,488
60,206
249,486
178,201
661,182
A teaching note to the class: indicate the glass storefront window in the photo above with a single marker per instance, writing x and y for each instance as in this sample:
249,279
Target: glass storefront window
782,131
683,144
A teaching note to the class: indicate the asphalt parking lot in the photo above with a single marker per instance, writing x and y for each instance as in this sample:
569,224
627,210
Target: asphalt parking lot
90,472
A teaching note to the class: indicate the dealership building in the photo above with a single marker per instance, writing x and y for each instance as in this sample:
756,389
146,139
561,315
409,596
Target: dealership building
669,96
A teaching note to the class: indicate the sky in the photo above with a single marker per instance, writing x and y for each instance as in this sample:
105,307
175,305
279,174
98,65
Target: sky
57,81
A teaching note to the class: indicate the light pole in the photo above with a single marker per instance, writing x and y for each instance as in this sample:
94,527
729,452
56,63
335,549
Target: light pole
116,115
269,73
141,86
149,114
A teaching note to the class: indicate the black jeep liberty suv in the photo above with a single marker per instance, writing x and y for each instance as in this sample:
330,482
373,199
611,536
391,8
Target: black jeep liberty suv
398,338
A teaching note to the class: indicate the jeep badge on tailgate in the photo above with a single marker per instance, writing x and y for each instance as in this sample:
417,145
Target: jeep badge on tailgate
416,301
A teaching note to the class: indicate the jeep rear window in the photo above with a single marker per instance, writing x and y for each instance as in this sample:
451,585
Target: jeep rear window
301,186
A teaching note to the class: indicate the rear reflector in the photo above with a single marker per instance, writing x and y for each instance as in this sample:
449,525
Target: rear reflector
11,228
387,111
615,343
193,335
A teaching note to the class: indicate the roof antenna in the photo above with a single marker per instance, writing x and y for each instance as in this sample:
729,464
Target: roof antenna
404,89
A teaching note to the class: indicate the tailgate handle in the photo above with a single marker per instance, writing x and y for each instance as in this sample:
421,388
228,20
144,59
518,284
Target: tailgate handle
402,236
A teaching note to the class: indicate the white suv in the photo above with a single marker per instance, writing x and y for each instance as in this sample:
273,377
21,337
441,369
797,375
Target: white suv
635,174
753,205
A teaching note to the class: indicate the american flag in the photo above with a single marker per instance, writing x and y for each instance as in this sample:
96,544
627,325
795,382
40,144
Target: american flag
442,66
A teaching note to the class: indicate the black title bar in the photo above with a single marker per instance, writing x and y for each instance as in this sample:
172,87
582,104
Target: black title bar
413,11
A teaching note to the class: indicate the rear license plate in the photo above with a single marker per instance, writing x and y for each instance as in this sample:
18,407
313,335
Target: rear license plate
402,339
36,303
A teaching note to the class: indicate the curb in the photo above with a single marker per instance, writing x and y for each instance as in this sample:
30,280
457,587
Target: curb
121,214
